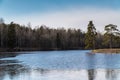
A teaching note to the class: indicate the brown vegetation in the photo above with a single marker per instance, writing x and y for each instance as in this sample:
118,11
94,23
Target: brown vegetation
106,51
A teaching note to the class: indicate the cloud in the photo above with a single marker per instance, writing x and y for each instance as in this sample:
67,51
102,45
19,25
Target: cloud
72,18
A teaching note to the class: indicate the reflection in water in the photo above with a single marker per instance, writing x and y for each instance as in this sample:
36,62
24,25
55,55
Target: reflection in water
5,55
12,71
91,74
19,72
75,66
112,74
91,63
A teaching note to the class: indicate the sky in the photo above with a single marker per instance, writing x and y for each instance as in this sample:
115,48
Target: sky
61,13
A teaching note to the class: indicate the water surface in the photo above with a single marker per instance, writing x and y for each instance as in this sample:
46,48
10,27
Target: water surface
59,65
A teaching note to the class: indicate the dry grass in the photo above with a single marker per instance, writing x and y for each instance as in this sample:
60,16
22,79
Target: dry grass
106,51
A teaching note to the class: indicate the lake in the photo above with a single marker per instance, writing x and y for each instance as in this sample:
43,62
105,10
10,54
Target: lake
59,65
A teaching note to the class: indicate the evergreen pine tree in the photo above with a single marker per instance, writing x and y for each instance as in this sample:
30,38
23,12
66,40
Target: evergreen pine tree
90,36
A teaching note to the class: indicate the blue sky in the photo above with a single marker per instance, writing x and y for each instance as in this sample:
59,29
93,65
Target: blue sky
61,13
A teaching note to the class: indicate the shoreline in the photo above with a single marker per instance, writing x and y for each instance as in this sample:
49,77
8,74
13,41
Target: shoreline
35,49
114,50
117,51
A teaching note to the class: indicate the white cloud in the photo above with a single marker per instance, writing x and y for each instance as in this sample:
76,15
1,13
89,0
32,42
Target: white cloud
72,18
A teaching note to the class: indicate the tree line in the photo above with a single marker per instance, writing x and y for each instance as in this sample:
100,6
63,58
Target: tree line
18,36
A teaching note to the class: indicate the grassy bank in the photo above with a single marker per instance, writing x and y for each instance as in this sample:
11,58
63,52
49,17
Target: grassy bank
106,51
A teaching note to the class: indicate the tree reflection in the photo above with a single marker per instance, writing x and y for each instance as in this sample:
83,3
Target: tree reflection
91,64
109,74
91,74
6,55
16,70
12,70
42,71
2,74
112,74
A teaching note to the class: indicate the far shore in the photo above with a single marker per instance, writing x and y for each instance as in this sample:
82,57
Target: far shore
114,50
35,49
106,51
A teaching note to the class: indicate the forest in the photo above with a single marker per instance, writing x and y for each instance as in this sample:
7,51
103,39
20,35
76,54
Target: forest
16,36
